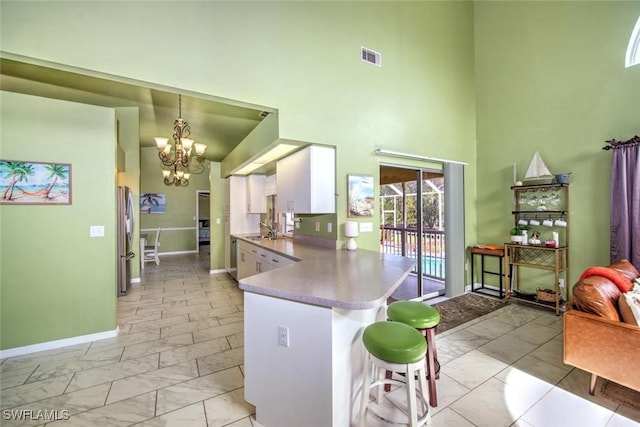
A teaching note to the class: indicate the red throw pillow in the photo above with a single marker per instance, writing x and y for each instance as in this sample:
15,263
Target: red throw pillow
615,276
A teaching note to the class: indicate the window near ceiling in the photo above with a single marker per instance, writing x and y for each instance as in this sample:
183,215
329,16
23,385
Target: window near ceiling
633,50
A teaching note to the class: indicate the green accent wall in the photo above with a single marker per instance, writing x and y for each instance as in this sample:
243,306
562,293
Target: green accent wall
180,204
128,126
55,281
484,82
550,76
300,58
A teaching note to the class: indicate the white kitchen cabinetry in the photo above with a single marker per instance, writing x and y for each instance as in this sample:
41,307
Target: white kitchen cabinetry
256,197
306,181
270,185
253,259
236,218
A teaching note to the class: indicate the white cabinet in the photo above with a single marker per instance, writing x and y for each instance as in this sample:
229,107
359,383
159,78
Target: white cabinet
253,259
270,185
306,181
256,197
236,218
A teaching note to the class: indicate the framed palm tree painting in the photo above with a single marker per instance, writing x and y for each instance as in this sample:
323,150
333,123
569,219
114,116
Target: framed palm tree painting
151,203
34,183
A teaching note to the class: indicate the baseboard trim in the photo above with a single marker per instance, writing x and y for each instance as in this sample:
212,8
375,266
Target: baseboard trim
51,345
218,271
135,280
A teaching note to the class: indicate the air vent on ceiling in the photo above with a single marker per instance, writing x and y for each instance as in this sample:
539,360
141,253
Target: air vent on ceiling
371,56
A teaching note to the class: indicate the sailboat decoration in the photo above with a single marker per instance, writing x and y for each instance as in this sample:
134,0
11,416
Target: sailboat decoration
537,173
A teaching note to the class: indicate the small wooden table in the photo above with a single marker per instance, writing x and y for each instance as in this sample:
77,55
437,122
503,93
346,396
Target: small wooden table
493,251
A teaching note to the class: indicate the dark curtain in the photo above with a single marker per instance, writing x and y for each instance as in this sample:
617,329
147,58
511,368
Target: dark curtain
625,200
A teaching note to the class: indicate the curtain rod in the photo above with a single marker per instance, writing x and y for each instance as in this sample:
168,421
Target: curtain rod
383,152
614,144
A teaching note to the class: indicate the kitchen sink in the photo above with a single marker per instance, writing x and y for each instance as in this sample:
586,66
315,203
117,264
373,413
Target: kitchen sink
260,238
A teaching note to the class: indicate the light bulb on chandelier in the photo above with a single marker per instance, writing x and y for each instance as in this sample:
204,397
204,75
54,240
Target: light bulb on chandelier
178,160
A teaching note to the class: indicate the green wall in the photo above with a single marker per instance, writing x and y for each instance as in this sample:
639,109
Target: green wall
181,204
550,76
301,58
55,281
531,75
129,175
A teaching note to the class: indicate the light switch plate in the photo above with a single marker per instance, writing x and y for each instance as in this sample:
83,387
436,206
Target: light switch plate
366,226
96,231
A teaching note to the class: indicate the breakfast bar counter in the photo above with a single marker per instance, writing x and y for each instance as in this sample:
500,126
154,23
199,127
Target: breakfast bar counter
303,326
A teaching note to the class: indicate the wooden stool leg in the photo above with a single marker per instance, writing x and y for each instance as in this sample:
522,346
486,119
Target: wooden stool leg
435,349
430,336
388,375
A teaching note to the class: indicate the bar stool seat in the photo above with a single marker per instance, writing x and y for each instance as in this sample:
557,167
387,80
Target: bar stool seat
425,319
396,347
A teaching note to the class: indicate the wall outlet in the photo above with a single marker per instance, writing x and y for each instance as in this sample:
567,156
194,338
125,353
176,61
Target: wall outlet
317,225
283,336
561,283
329,227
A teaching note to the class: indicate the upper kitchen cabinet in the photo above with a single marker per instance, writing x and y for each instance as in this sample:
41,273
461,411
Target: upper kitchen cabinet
238,219
270,185
306,181
256,195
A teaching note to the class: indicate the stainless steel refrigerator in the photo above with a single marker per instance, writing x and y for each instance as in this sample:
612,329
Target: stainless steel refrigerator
126,231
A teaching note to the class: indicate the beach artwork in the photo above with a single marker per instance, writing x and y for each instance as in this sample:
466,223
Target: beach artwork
35,183
153,203
360,195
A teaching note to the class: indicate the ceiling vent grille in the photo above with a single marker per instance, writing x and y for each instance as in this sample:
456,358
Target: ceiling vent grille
371,56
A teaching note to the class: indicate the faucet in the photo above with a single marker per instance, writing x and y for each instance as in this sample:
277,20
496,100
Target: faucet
272,229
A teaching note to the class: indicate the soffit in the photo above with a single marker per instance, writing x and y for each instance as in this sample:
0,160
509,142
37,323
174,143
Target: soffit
218,124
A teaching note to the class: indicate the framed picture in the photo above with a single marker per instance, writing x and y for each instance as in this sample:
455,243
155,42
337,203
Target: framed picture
153,203
34,183
361,202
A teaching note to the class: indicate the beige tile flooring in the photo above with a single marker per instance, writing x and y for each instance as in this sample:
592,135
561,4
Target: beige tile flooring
178,362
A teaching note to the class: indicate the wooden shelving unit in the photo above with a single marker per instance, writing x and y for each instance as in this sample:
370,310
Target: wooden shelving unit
542,202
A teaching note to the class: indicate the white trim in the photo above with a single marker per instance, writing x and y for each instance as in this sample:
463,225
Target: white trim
633,49
218,271
383,152
168,228
135,280
177,252
50,345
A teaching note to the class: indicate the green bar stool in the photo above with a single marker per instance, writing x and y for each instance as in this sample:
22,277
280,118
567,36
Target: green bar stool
395,347
424,318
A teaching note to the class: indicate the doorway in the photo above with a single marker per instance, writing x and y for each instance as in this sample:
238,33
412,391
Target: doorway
412,225
203,229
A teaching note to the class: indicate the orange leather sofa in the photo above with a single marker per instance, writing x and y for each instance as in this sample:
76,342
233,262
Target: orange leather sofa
599,335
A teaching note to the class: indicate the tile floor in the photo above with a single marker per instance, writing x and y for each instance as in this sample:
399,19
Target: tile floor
178,361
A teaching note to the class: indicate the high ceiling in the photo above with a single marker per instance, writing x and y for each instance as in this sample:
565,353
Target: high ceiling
219,124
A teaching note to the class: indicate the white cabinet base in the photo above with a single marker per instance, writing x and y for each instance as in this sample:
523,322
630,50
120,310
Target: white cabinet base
316,381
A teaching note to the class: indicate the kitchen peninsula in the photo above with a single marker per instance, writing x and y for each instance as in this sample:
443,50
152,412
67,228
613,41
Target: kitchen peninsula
303,323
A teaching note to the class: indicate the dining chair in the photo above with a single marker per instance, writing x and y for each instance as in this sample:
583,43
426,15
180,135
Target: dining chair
151,249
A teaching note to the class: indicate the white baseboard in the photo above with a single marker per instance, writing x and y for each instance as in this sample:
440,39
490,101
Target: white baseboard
177,252
135,280
218,271
50,345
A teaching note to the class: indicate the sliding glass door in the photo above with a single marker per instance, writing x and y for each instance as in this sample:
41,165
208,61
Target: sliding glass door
412,212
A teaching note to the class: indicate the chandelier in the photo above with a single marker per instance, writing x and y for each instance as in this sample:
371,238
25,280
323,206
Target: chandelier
178,159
